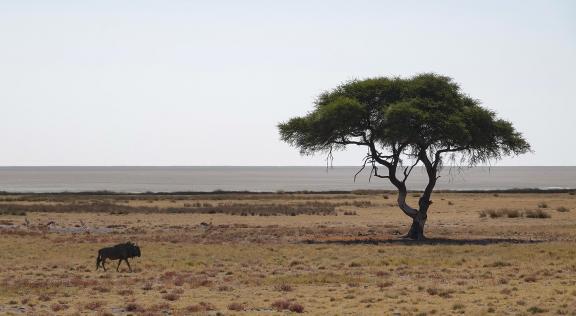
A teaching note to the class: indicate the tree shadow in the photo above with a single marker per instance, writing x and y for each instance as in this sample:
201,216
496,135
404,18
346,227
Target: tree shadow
430,241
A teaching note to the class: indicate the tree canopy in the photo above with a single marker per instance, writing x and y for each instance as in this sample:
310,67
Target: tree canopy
399,119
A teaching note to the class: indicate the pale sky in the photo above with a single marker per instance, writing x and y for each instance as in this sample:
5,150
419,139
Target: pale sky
205,83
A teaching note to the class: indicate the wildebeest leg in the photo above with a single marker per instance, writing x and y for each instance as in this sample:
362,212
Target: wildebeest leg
128,263
119,262
103,262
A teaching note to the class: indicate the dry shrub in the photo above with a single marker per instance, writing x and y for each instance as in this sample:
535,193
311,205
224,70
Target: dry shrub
200,307
504,212
147,286
296,263
537,214
562,209
44,298
159,307
445,293
125,292
133,307
94,305
383,285
171,297
537,310
225,288
497,264
56,307
282,305
236,307
542,205
101,289
283,288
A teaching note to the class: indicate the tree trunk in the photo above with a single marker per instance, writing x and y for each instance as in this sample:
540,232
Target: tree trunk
416,231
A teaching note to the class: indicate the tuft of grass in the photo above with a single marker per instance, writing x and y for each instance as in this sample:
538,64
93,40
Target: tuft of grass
542,205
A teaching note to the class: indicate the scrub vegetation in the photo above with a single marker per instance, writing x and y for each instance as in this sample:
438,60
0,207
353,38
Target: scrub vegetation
312,262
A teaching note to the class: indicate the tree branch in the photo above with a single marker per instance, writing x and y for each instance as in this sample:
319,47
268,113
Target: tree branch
407,170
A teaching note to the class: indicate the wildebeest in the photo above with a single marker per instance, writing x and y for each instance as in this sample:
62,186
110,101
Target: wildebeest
118,252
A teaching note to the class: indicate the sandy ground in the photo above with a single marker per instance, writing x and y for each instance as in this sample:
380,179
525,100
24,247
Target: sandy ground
331,264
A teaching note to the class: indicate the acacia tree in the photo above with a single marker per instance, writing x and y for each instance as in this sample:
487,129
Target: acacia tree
404,122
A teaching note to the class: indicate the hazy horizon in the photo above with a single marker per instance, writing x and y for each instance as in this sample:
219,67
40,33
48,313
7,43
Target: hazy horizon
151,83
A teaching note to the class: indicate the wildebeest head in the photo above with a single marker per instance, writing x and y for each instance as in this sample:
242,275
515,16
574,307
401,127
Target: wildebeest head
136,251
133,250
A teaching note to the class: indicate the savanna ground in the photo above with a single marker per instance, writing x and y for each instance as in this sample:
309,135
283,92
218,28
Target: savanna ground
320,254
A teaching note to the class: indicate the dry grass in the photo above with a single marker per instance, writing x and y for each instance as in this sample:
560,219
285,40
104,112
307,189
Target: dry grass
316,264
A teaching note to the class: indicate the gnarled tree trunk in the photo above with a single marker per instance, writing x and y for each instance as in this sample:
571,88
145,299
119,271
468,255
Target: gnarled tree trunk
420,215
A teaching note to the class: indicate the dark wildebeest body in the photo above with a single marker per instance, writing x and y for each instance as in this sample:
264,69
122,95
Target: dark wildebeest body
119,252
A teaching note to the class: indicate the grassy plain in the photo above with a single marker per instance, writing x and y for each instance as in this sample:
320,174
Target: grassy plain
273,254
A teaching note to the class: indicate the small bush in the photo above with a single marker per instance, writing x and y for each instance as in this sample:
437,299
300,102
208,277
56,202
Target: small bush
93,306
171,297
542,205
562,209
236,307
383,285
225,288
44,298
296,308
350,213
284,288
537,214
458,306
56,307
497,264
133,307
444,293
504,212
201,307
536,310
281,305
